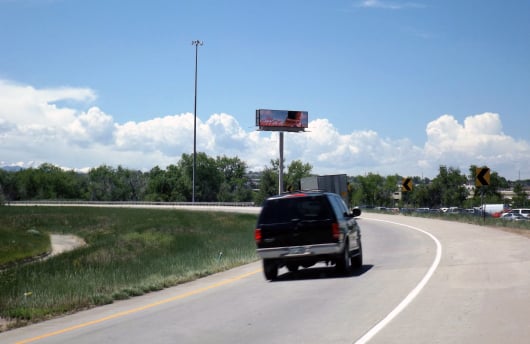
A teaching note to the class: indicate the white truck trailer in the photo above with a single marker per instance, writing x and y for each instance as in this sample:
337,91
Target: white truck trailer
495,210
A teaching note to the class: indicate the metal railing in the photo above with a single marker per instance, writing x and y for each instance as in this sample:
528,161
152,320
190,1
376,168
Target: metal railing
128,203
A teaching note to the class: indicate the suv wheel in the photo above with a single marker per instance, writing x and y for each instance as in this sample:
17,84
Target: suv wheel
270,269
344,261
357,261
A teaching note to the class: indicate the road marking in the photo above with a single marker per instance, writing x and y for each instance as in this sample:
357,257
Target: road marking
412,295
142,308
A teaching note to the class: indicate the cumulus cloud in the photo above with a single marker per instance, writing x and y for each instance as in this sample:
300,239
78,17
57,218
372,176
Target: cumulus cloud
35,128
159,134
91,126
479,141
353,153
31,107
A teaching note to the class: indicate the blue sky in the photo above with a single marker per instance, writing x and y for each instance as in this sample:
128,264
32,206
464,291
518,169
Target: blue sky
390,86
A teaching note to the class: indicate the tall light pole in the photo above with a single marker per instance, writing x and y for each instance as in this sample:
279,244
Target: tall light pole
196,44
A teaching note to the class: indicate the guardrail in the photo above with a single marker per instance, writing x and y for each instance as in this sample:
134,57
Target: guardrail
131,203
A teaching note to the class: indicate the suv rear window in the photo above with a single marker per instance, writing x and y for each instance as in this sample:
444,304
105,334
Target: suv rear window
302,208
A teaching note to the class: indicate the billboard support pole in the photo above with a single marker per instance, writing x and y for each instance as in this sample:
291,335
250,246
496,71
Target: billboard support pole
280,169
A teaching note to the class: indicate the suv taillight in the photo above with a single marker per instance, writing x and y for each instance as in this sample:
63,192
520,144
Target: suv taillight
335,230
257,235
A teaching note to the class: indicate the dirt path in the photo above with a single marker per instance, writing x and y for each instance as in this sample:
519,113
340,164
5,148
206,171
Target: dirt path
65,242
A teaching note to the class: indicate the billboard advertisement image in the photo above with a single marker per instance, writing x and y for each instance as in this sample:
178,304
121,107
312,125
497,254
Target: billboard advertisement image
281,120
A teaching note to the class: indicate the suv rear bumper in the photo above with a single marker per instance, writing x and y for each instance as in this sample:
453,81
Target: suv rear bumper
300,251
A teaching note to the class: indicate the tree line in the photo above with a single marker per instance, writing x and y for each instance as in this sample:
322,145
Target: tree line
450,188
227,179
221,179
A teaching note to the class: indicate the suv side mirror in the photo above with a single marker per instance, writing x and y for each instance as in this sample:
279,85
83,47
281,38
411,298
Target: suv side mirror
356,212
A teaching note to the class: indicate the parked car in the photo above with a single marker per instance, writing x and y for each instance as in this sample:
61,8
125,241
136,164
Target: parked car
513,217
521,211
302,228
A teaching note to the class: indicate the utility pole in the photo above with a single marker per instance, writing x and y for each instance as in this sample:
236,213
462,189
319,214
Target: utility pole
196,43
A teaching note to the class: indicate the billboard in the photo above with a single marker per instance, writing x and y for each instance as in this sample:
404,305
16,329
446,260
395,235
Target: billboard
281,120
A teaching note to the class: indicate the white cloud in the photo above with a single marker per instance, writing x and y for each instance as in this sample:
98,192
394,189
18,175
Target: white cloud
167,134
479,141
355,153
32,107
92,126
34,129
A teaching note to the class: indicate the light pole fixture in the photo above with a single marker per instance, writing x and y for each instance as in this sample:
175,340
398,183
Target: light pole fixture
196,43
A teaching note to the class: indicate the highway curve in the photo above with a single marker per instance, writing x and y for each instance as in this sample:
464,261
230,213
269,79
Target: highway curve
423,281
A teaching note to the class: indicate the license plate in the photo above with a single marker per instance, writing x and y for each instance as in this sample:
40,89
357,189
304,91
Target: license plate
297,250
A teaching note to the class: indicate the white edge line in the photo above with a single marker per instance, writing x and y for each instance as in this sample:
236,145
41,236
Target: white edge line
414,292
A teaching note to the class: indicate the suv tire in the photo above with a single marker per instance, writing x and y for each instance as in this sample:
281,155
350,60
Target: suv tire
344,261
357,261
270,269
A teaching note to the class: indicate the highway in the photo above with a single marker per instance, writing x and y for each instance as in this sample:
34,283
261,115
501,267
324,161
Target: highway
423,281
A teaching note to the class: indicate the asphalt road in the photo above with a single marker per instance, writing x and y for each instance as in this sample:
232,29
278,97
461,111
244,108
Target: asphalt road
426,281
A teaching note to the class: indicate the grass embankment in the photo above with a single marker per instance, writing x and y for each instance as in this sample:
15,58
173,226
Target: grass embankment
18,245
130,252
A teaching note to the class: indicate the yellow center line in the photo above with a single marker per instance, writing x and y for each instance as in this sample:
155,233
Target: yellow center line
141,308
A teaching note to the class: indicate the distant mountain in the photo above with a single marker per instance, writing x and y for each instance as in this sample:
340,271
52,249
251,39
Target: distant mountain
11,168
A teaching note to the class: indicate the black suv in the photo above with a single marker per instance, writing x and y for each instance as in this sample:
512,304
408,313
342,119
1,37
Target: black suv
304,228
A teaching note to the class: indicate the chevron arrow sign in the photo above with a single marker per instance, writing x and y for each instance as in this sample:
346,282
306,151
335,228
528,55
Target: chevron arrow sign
483,176
406,184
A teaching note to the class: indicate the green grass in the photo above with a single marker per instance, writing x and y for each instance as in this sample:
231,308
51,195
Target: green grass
20,242
130,252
